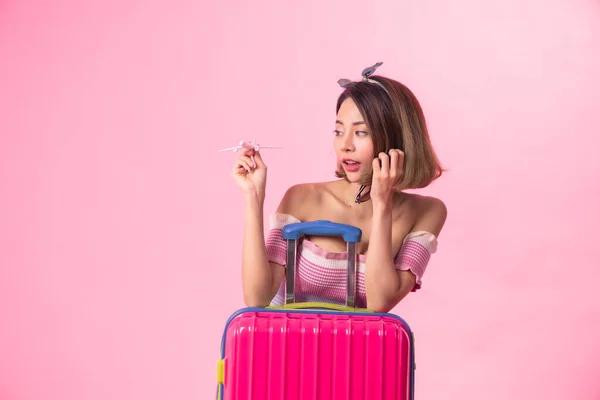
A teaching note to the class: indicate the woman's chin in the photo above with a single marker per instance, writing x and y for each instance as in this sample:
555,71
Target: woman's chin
354,178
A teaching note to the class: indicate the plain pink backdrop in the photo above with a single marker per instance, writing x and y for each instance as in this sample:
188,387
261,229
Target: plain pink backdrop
120,228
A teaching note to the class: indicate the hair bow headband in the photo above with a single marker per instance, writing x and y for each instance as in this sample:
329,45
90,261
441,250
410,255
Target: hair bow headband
367,72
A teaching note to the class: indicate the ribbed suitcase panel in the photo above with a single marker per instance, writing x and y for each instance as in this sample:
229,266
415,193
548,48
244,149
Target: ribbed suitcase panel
316,356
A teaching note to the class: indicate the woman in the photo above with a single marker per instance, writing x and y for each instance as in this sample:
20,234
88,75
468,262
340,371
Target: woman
382,147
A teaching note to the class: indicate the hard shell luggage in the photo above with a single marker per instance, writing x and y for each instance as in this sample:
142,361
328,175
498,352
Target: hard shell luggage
310,351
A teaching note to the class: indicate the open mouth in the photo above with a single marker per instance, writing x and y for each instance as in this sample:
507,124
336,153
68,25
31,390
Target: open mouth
350,165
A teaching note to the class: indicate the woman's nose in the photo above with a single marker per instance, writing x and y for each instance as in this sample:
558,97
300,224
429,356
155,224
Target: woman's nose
347,143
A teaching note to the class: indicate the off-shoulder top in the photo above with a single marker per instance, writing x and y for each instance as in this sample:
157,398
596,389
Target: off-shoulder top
321,274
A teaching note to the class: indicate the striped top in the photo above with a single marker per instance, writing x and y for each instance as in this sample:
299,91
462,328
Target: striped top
321,275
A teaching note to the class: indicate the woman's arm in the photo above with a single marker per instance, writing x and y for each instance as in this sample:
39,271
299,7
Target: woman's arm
260,278
385,285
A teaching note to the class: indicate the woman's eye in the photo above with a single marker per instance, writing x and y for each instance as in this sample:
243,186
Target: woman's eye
337,133
362,133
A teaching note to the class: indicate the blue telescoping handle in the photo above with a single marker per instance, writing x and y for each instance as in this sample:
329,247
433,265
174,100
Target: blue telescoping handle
293,232
351,234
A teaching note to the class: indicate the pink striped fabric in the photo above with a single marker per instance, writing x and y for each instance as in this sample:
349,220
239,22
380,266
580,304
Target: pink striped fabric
321,275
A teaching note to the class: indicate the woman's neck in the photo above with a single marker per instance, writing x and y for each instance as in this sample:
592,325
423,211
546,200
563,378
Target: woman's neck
356,194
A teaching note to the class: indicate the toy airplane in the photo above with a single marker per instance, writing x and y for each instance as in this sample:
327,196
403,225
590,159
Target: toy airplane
250,146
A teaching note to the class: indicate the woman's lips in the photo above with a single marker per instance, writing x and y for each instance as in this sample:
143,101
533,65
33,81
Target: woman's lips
350,165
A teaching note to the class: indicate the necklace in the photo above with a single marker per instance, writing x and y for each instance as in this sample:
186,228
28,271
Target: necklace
358,198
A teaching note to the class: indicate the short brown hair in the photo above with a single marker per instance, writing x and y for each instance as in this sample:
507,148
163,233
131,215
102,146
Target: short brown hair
395,121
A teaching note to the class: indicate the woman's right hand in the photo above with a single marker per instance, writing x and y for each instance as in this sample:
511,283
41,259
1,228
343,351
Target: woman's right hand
251,177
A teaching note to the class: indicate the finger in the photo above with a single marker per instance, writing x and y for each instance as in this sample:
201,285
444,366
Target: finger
248,160
385,164
400,165
242,164
400,176
376,167
247,152
239,170
400,155
393,162
258,159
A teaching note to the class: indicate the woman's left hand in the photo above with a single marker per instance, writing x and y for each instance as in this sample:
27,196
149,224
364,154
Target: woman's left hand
388,173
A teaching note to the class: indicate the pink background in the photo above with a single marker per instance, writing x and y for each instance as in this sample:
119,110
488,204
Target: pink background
120,228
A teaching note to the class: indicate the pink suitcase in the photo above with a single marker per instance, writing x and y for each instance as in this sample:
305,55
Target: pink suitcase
310,351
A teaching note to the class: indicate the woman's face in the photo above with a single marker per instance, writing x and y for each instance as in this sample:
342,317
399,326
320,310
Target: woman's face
353,143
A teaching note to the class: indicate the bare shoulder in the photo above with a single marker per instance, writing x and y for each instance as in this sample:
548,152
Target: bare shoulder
299,199
430,213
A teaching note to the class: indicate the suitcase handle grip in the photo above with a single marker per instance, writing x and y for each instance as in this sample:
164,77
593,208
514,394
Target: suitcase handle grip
293,232
311,305
350,233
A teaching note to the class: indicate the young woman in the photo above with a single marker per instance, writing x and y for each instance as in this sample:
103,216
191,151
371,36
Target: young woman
382,147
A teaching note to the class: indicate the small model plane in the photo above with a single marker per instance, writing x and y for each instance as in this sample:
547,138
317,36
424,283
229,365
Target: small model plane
250,146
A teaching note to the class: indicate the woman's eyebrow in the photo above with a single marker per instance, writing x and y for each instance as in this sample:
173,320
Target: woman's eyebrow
337,121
